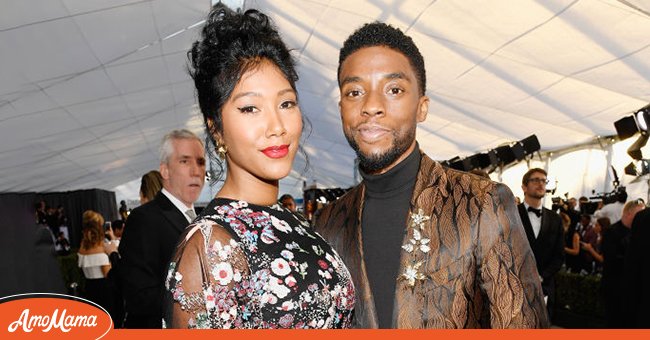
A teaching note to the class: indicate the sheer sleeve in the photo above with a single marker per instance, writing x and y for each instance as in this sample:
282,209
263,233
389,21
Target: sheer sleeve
205,279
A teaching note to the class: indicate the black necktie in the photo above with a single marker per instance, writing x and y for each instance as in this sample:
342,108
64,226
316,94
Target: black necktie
537,212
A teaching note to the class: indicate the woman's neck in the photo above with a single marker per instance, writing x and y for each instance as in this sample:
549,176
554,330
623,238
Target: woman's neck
250,189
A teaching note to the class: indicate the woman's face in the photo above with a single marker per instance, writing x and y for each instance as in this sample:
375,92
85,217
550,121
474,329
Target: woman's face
262,124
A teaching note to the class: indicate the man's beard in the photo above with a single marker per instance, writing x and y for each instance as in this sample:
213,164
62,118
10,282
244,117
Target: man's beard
373,163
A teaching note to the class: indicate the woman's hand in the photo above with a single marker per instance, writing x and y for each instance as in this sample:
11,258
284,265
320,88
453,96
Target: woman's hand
110,247
110,234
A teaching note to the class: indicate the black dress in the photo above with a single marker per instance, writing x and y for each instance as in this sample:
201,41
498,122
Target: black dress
241,265
573,262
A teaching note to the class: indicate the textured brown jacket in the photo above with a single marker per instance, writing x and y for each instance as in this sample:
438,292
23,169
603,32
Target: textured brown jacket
465,259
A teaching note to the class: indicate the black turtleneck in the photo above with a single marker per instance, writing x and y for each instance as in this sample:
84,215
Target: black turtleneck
383,225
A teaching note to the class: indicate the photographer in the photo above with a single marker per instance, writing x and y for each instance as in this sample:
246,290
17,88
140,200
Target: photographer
568,207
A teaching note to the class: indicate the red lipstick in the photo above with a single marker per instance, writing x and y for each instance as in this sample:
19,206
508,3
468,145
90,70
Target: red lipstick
276,151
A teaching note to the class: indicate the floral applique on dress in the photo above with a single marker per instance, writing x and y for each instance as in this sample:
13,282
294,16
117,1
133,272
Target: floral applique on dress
272,271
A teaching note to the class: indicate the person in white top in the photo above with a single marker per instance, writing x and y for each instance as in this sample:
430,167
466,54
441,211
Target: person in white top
93,260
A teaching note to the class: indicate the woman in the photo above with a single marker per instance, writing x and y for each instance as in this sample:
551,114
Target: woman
247,262
571,244
150,185
93,261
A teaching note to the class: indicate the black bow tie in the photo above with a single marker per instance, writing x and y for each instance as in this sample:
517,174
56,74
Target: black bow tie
537,212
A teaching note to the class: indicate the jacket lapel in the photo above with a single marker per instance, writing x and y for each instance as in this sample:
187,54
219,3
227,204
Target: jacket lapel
530,234
430,185
170,212
365,312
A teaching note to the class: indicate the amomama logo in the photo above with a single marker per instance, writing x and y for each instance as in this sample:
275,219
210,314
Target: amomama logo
34,315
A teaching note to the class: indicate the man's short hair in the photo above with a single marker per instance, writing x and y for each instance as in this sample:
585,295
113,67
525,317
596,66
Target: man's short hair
632,204
381,34
285,197
166,147
529,173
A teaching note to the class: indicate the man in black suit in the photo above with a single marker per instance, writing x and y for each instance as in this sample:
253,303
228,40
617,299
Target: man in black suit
637,272
615,245
152,230
544,231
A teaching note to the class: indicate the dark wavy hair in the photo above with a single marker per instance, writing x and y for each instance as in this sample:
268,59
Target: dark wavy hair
381,34
231,44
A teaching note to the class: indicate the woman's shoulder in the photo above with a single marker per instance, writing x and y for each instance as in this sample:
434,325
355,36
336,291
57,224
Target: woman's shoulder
206,230
94,259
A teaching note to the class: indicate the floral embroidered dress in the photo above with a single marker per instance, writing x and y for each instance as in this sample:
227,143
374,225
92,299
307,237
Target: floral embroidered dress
241,265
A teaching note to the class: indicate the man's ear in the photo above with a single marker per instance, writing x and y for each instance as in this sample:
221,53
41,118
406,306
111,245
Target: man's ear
164,171
423,109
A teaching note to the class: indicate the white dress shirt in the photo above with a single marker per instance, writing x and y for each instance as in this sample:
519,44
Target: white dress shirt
535,222
178,204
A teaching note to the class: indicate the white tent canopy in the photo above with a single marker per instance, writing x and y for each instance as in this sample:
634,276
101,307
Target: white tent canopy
88,88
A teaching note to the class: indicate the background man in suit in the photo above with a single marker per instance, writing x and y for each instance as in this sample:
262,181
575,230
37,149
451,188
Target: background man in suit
615,245
544,231
152,229
427,246
637,272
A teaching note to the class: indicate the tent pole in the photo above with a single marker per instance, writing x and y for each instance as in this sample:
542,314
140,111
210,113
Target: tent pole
608,176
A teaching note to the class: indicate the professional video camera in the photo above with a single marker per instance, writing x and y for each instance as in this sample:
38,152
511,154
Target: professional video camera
559,203
617,195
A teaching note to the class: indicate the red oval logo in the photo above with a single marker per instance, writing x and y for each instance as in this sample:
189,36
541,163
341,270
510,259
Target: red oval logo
61,316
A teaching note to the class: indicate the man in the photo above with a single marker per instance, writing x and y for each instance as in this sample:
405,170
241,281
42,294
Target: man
288,202
543,230
616,240
585,226
152,229
427,246
637,272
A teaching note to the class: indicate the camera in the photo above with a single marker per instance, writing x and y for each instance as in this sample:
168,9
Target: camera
559,203
617,195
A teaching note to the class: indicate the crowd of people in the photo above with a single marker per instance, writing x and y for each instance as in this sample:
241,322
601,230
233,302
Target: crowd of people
56,221
414,245
599,243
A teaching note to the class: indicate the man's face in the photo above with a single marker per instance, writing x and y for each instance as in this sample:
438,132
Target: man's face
572,203
289,203
536,186
380,106
184,173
